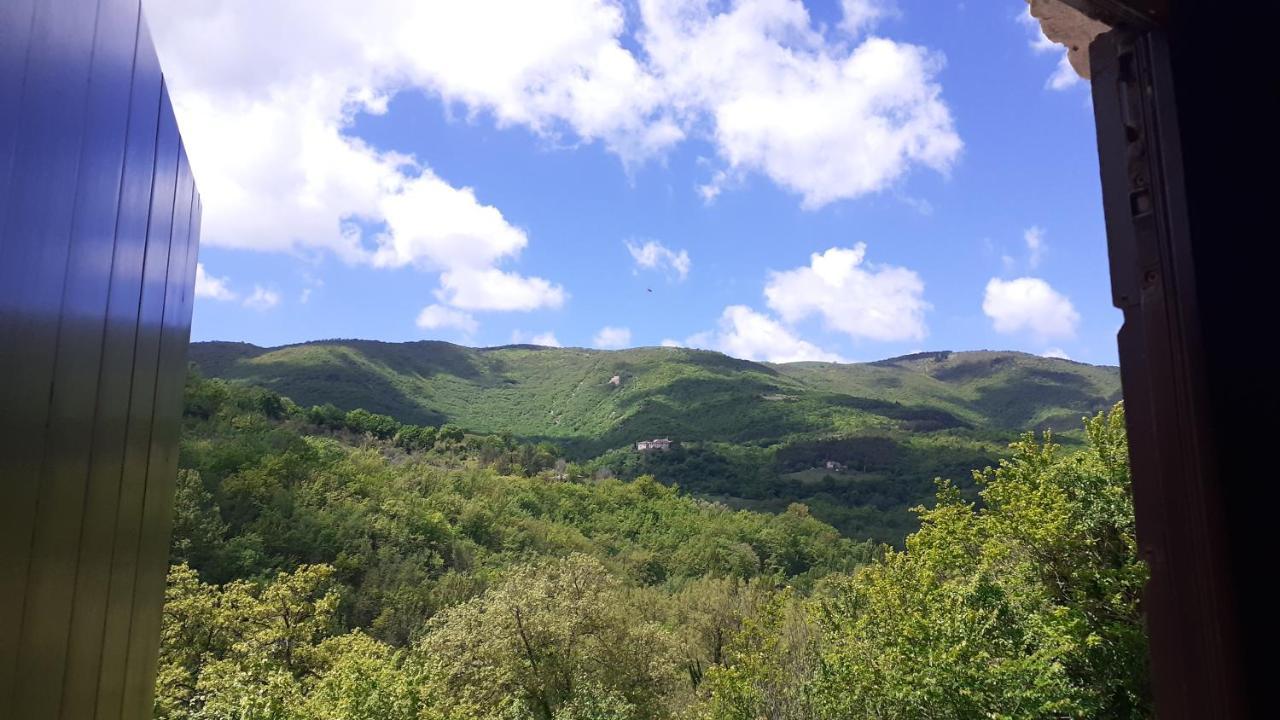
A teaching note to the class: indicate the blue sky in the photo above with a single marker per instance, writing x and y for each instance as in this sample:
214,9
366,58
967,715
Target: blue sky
594,173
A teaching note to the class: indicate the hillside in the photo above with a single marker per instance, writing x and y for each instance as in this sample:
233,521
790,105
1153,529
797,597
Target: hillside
754,435
330,565
302,548
565,394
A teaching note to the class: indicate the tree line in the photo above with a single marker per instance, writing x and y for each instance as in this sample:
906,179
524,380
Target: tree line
342,565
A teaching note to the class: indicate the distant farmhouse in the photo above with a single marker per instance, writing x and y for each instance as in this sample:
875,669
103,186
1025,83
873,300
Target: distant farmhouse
837,466
657,444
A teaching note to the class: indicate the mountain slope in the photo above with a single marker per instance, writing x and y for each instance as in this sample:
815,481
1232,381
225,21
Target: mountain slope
860,444
566,394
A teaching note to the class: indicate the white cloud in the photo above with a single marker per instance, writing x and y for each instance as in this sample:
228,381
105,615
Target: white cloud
1030,304
545,339
612,337
817,118
214,288
1064,76
1036,246
654,255
435,317
668,342
547,65
436,226
266,93
858,16
262,299
862,300
493,289
750,335
704,340
1056,352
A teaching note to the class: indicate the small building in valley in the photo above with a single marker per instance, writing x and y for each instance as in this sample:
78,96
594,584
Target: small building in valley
657,444
837,466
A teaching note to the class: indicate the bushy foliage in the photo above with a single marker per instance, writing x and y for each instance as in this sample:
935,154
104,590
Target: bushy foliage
1025,605
555,640
327,526
273,651
332,565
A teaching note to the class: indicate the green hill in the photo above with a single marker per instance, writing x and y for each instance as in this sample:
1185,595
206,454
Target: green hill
330,565
566,394
755,435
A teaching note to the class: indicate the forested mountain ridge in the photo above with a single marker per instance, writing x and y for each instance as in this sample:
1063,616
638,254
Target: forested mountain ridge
754,435
566,394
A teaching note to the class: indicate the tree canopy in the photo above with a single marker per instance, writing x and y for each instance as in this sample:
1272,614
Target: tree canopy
331,565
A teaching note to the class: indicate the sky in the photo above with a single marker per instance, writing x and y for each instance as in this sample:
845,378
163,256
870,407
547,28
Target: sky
837,180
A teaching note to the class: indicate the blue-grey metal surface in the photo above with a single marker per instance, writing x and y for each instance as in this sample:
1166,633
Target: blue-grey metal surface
99,227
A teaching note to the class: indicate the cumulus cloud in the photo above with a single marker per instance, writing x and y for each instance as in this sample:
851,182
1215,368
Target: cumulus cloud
493,289
262,299
863,300
750,335
1029,304
214,288
266,93
436,226
654,255
612,337
820,119
1056,352
436,317
859,299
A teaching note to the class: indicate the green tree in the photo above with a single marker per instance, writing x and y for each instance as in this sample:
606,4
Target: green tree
362,679
243,650
199,531
1023,607
712,612
327,415
363,421
553,640
769,666
450,433
416,438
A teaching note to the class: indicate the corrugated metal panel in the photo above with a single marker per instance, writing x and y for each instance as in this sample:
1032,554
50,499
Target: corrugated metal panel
99,222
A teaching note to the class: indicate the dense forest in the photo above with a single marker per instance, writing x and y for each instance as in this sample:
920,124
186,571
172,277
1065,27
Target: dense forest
339,563
752,435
